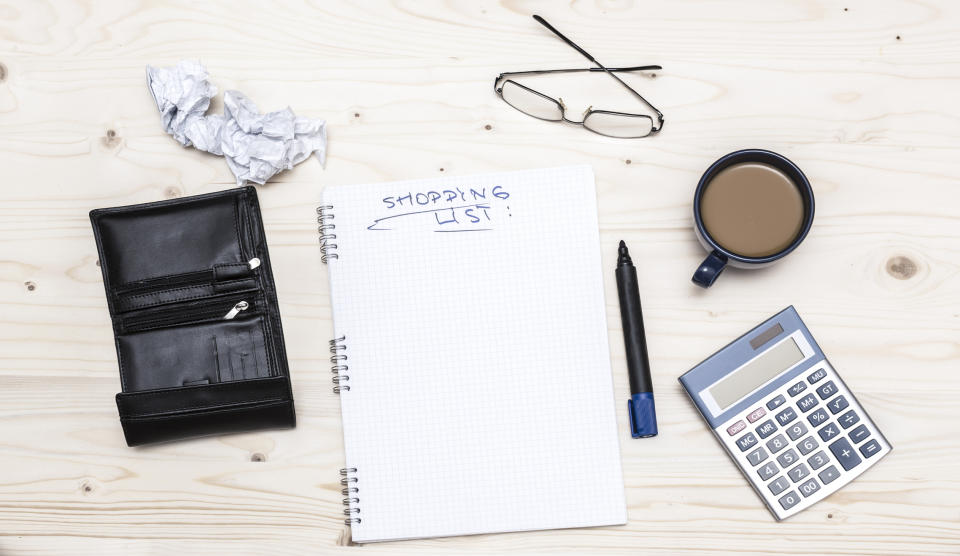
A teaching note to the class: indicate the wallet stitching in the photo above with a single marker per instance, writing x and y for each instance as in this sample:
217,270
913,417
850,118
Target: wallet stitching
257,405
233,385
232,405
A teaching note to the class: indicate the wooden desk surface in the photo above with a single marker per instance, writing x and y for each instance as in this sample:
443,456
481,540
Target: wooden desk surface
862,95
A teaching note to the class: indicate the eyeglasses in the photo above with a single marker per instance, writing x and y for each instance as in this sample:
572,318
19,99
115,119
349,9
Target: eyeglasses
531,102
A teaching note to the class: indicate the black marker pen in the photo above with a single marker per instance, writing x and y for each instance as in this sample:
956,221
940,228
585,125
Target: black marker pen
640,409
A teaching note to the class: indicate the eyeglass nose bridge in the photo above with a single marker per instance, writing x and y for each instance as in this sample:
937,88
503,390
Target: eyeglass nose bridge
563,113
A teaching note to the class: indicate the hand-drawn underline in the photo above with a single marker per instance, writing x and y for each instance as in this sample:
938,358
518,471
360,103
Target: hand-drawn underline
373,228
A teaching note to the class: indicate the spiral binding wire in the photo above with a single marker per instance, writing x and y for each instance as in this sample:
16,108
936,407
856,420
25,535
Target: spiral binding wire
324,227
346,480
338,368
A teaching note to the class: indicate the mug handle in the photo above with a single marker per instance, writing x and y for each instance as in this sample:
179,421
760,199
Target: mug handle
708,271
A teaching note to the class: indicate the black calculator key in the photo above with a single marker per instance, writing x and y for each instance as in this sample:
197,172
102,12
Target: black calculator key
756,456
849,419
776,444
845,454
797,388
776,402
859,434
788,458
816,376
746,441
818,460
790,500
828,475
796,430
786,416
809,487
818,417
839,404
768,471
779,485
870,448
808,445
807,402
827,390
829,432
799,473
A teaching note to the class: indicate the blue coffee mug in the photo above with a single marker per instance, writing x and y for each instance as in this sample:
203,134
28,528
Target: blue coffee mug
719,258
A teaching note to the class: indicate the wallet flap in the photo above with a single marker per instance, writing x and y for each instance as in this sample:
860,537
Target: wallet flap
225,395
171,238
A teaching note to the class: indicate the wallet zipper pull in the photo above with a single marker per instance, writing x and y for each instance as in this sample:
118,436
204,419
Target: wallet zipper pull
254,263
242,306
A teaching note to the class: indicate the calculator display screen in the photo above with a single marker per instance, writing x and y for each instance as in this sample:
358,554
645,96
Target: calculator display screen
761,369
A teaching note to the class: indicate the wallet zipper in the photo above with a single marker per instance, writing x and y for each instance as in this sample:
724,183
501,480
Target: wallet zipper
225,308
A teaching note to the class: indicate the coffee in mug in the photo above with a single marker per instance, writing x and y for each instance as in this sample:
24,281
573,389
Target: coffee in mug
751,208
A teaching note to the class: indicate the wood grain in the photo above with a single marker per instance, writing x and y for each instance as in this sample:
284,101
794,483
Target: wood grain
861,95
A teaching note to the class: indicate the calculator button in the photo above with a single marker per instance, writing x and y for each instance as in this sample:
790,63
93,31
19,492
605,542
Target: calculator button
797,388
756,456
798,473
776,402
786,416
829,432
746,441
816,376
779,485
829,474
776,444
807,402
790,500
827,390
809,487
859,434
845,454
818,417
756,414
796,430
839,404
788,458
736,427
818,460
768,471
849,419
808,445
870,448
766,428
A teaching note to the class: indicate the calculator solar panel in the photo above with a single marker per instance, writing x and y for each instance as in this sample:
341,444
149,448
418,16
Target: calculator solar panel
784,415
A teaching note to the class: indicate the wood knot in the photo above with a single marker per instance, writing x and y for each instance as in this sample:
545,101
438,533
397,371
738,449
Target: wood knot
441,169
901,268
898,37
3,73
86,487
30,286
488,127
628,161
257,456
110,139
356,114
172,192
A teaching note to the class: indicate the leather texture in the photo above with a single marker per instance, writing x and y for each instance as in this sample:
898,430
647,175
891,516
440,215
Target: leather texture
195,317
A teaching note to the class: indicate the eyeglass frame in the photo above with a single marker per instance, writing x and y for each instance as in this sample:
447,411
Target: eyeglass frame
655,127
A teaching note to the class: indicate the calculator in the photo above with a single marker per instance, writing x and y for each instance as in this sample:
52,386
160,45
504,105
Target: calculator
784,416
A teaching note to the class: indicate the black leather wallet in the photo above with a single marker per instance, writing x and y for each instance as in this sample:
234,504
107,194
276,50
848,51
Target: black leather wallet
195,318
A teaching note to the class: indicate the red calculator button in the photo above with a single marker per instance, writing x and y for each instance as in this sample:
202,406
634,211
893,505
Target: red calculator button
756,414
736,427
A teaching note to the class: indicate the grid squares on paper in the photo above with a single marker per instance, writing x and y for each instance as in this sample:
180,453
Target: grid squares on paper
481,398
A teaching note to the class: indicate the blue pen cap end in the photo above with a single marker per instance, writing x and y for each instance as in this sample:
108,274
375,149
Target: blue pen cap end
642,415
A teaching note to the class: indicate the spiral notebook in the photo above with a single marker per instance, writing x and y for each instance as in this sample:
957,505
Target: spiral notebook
471,355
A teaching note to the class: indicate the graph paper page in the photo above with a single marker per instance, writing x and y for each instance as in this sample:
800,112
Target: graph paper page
481,397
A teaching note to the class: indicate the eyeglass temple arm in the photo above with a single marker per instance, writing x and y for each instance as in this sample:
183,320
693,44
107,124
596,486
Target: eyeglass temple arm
530,72
587,55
